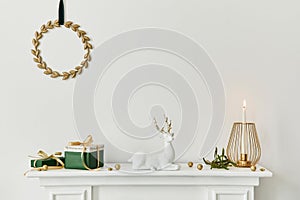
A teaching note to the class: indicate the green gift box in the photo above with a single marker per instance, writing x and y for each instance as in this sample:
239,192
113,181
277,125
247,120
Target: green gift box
84,157
49,162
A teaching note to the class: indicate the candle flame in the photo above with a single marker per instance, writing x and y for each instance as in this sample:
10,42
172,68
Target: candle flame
244,103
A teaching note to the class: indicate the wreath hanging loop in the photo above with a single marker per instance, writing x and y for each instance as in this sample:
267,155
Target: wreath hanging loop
43,65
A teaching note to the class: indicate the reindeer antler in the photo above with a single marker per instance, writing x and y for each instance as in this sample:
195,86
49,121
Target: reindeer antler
166,122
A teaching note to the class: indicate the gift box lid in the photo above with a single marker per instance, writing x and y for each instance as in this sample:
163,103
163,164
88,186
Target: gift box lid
79,148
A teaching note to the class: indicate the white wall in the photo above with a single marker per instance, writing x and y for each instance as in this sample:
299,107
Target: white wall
255,45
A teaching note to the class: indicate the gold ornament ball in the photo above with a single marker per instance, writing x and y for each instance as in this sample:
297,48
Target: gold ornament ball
117,166
190,164
200,166
109,169
43,168
262,169
253,168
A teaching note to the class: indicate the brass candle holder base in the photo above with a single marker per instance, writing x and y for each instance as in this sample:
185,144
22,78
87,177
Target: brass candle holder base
243,162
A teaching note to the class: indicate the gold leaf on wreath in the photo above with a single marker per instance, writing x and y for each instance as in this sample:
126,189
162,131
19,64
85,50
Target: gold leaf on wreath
43,27
56,23
48,71
75,27
44,31
86,38
36,60
68,24
89,58
37,52
80,33
89,46
85,64
43,65
79,69
33,52
37,35
33,41
55,74
49,23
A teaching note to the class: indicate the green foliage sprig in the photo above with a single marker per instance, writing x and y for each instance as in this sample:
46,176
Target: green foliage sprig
220,161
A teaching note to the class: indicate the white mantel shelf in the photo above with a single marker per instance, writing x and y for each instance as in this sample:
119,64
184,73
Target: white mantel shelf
210,184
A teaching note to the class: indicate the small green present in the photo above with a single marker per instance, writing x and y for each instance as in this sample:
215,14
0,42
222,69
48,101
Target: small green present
84,157
44,159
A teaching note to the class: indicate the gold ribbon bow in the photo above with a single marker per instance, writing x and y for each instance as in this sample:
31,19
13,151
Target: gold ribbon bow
87,142
44,156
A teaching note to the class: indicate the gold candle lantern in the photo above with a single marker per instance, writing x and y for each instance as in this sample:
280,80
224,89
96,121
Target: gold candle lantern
243,147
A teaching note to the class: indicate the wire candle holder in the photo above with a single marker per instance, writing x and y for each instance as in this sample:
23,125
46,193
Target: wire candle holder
243,146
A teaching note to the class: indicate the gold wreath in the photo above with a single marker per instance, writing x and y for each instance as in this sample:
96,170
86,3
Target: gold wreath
42,64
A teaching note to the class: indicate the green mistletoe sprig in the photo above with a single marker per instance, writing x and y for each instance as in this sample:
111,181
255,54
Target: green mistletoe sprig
220,161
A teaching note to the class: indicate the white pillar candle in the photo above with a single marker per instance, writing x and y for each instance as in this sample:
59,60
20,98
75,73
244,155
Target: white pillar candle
243,149
244,111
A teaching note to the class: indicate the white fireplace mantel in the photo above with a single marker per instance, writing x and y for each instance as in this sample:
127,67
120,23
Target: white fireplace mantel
187,183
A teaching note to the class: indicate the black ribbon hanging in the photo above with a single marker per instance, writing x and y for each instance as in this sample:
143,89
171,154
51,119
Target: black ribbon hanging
61,13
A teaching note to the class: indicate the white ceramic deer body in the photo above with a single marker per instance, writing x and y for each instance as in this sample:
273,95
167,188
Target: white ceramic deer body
162,160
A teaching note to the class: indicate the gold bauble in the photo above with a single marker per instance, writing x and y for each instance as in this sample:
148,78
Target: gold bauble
117,166
262,169
109,169
200,166
44,168
190,164
253,168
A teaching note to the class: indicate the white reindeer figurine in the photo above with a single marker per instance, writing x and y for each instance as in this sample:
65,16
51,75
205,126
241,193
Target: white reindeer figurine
162,160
